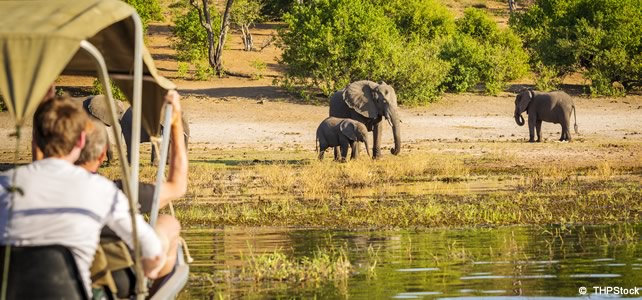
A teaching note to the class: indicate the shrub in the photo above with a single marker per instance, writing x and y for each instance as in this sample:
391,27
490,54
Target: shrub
329,43
419,72
547,78
482,53
115,90
259,66
275,9
427,19
414,45
601,38
148,10
191,38
203,71
182,69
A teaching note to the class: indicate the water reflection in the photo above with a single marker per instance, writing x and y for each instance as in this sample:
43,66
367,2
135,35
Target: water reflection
538,262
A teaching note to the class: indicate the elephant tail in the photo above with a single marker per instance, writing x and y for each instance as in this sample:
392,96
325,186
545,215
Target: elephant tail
575,117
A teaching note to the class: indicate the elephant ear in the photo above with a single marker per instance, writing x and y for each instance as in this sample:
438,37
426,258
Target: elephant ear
97,107
348,129
525,98
359,96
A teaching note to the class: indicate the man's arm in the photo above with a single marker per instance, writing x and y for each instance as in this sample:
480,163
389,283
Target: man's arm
120,222
176,184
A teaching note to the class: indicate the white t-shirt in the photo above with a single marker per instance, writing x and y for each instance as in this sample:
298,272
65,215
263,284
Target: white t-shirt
65,205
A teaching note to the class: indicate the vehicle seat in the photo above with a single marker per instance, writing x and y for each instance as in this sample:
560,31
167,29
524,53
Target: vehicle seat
42,272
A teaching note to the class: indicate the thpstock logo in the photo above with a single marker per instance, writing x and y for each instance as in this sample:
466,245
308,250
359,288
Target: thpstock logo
611,290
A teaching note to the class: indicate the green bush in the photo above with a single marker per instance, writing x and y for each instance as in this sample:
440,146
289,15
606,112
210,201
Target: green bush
414,45
600,38
148,10
246,12
203,71
427,19
191,42
546,78
259,67
115,90
482,53
419,73
330,43
274,9
182,68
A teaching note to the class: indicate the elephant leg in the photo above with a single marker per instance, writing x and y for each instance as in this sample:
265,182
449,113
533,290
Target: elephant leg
344,143
531,128
354,145
376,140
566,133
538,126
344,152
322,148
110,155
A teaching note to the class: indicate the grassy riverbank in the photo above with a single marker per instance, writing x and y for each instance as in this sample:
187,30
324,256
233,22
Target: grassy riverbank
420,189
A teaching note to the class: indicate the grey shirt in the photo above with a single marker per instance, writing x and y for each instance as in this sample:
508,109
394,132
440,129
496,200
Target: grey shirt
65,205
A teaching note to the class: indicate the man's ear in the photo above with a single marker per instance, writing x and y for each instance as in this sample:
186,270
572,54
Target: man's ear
81,140
103,154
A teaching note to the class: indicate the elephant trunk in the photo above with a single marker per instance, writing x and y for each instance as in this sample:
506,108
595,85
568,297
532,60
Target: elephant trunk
365,141
396,131
518,118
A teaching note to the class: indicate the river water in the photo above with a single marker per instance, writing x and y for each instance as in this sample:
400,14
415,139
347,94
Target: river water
522,262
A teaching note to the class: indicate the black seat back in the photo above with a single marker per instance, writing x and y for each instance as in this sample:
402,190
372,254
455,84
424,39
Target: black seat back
42,272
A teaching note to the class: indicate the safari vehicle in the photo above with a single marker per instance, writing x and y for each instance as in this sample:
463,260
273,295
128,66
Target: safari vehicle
41,40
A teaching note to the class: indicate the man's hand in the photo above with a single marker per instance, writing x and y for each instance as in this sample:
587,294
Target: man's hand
151,266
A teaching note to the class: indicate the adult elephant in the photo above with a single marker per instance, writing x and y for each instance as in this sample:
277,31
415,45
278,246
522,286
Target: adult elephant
369,103
126,126
555,107
96,107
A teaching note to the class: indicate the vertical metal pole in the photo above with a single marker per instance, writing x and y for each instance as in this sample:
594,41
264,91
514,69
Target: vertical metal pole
141,283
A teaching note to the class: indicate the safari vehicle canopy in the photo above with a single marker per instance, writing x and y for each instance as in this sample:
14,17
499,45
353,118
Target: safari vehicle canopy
43,39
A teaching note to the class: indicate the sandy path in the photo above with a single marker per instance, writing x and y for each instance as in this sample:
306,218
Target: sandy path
240,122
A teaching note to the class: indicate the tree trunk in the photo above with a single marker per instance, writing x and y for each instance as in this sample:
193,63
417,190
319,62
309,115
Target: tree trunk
218,59
248,41
206,22
511,5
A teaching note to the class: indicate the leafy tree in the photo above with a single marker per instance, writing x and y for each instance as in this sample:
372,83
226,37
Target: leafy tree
191,43
244,14
600,38
414,45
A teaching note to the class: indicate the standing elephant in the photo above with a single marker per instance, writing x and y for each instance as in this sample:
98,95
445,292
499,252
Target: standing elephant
126,126
96,107
555,107
333,132
368,103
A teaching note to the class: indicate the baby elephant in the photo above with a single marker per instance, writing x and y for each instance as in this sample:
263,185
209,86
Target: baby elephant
554,107
333,132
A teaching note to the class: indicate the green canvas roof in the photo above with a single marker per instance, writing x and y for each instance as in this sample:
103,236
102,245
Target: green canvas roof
40,40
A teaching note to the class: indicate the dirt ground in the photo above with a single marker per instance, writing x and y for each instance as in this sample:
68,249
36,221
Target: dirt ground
239,113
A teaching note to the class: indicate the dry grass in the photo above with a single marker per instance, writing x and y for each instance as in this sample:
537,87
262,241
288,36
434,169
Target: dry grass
419,189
